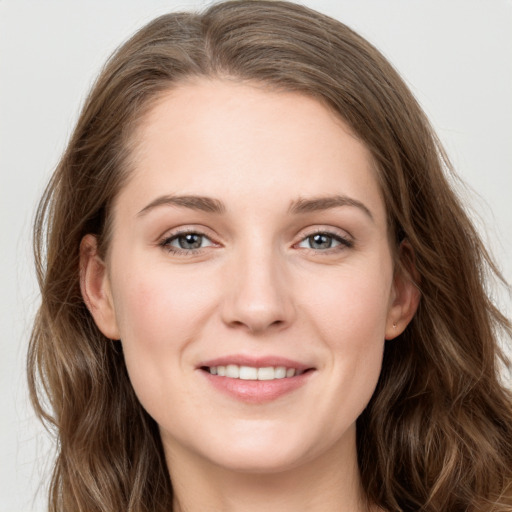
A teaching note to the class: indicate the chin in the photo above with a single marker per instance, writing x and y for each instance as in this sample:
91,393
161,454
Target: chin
255,461
266,449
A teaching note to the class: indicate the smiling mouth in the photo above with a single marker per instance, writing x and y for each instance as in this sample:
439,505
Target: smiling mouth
256,381
234,371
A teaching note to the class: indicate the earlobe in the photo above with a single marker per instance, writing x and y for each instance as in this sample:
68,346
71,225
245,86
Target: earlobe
95,288
406,297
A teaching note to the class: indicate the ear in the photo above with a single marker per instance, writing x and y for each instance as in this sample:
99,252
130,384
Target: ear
406,295
95,287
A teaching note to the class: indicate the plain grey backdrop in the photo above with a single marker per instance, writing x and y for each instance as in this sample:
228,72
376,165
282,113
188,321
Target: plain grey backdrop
456,55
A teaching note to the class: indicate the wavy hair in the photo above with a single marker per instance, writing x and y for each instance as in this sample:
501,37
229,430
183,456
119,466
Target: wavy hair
437,434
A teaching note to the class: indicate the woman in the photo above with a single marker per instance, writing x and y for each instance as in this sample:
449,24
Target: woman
258,286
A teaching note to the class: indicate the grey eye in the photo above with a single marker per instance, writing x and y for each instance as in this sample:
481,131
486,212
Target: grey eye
323,241
319,241
189,241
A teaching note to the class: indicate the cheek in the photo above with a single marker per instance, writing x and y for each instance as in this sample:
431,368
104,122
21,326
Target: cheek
351,320
355,333
156,307
160,314
352,306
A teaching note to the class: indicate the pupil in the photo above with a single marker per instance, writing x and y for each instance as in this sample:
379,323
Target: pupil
190,241
320,241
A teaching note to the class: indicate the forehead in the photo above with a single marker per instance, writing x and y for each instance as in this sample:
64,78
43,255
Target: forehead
238,142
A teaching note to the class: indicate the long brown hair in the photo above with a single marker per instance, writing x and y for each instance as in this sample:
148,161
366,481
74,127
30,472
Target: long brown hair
437,434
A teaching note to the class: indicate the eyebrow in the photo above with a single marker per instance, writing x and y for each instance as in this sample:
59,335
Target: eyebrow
315,204
201,203
211,205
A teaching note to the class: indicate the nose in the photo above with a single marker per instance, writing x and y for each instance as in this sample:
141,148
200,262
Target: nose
258,294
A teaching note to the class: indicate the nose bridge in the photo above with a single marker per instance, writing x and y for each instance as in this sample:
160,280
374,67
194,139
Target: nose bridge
258,294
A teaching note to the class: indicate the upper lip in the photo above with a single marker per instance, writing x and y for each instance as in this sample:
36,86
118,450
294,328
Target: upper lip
254,361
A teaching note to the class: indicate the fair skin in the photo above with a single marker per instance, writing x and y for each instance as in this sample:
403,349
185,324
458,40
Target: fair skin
251,234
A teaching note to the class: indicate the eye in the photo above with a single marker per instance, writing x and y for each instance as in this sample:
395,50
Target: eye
186,242
322,241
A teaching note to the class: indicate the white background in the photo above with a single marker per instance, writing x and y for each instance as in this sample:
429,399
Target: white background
456,55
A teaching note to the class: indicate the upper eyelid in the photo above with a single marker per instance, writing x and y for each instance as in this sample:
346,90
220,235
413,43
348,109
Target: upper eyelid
199,230
328,230
183,233
342,241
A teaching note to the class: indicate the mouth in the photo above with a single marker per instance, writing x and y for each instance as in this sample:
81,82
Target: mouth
243,372
257,380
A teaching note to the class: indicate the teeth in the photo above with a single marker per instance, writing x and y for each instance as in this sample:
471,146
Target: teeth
248,373
280,372
234,371
266,373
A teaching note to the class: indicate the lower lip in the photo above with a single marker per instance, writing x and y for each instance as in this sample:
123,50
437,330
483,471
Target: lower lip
257,391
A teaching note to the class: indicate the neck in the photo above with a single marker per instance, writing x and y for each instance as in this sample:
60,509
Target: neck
329,483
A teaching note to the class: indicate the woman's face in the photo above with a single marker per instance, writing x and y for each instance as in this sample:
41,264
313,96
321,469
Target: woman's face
249,277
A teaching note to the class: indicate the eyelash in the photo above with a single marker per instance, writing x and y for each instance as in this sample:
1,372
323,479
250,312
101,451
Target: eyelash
344,242
166,242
